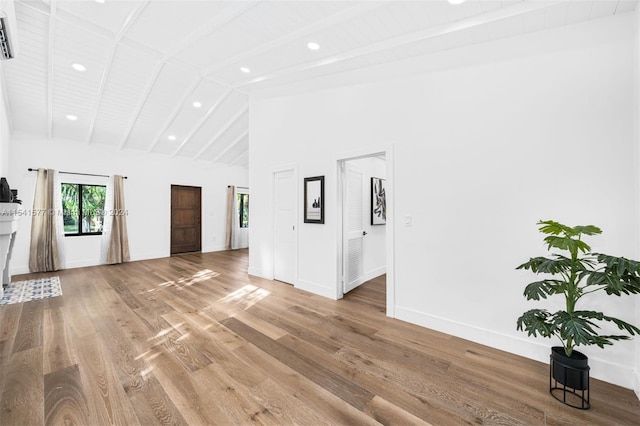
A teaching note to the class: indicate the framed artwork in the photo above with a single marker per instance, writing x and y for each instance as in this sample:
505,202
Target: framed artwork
314,199
378,202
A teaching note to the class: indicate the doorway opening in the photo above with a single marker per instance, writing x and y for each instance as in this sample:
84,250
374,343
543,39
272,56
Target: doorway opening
365,226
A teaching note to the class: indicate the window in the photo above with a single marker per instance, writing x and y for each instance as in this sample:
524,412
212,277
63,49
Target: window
83,208
243,210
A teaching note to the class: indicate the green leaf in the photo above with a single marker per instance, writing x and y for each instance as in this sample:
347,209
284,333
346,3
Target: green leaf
551,227
587,230
612,284
546,265
619,265
541,289
580,330
537,322
622,325
566,243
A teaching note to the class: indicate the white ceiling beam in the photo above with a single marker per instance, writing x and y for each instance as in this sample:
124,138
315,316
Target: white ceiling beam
417,36
143,101
222,131
208,28
175,112
231,145
345,15
105,74
203,120
50,54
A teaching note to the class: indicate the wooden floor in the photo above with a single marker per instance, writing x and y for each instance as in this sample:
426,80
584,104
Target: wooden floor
194,340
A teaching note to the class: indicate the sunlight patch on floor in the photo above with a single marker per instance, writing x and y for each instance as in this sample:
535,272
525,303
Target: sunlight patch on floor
246,296
165,331
198,277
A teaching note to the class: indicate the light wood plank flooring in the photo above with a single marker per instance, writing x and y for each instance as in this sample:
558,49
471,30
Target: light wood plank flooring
194,340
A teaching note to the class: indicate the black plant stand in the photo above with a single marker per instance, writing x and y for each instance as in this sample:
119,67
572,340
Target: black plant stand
569,384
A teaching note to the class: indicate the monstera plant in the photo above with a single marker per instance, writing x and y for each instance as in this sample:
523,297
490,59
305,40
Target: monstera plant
572,273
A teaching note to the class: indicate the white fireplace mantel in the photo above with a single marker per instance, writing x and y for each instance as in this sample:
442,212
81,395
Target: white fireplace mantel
9,219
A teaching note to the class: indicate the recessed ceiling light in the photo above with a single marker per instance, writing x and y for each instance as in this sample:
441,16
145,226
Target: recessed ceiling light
245,70
313,46
456,1
100,1
72,117
197,104
78,67
171,137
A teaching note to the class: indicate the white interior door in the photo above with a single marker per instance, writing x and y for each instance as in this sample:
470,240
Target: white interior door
285,244
353,227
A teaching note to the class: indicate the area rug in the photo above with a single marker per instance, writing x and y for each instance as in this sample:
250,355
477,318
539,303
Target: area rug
24,291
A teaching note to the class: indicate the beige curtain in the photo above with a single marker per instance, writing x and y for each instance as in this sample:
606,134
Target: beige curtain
119,241
231,217
43,254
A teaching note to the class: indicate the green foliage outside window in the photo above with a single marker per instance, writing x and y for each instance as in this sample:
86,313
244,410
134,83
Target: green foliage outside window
83,208
243,210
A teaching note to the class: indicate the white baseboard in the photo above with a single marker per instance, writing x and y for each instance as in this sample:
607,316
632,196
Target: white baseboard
375,273
637,386
316,288
258,272
621,375
19,270
209,249
152,255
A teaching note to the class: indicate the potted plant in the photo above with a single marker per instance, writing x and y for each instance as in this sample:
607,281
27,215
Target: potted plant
573,276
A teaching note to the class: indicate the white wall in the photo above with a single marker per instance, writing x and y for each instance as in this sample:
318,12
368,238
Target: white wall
5,130
147,192
374,244
481,153
636,114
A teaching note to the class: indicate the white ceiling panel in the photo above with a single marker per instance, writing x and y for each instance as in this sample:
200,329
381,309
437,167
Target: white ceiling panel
161,25
188,118
76,92
238,145
241,160
225,116
264,22
165,94
228,139
73,130
110,15
27,76
148,61
128,76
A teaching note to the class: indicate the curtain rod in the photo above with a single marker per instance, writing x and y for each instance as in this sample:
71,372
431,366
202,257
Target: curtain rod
74,173
241,187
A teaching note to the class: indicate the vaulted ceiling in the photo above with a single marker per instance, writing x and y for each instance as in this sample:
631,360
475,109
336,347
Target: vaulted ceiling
174,77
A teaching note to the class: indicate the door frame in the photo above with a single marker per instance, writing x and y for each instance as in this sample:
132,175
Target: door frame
387,151
296,212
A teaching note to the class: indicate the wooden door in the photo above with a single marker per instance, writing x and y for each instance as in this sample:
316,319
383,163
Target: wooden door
186,228
285,241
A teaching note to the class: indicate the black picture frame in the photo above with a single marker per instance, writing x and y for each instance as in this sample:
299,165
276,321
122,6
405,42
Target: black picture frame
378,201
314,199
